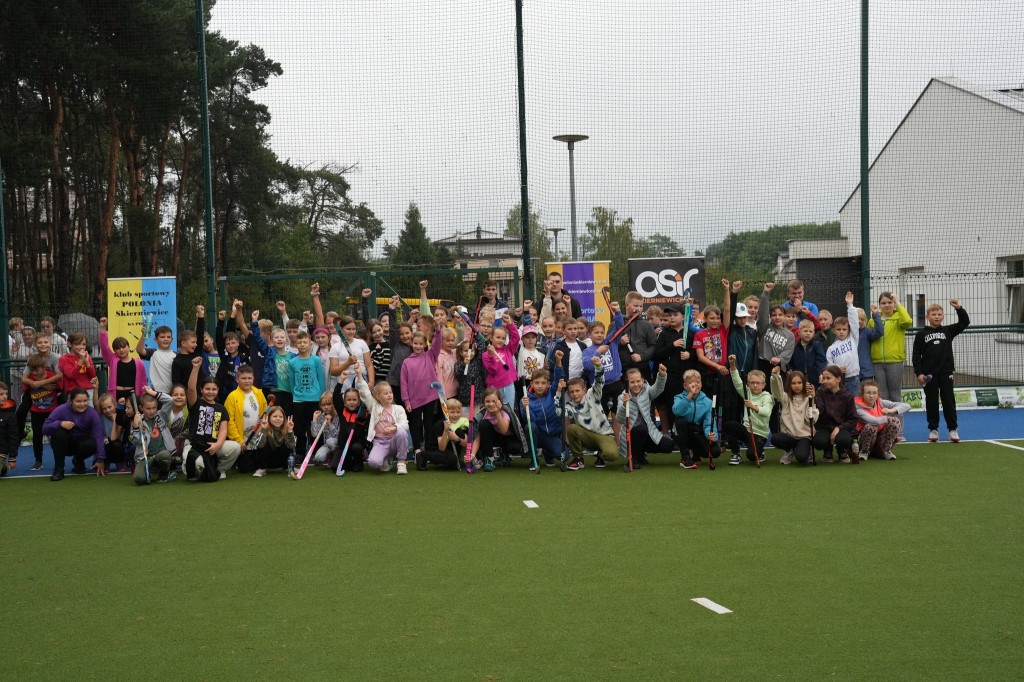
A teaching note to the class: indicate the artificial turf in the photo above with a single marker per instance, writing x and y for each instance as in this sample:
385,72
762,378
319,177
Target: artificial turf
889,570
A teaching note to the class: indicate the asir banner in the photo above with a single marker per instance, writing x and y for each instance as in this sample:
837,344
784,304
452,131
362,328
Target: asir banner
663,280
132,301
584,281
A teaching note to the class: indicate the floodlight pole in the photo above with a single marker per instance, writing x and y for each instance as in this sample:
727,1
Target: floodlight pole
571,140
524,195
555,231
204,132
865,223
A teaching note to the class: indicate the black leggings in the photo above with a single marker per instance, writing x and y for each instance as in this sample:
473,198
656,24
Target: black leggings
65,444
738,435
641,443
115,452
490,439
690,438
420,419
38,418
272,458
353,458
821,441
801,447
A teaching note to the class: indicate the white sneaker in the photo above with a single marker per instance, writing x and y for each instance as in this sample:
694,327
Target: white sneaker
402,469
786,458
222,476
933,436
385,467
888,454
259,473
954,437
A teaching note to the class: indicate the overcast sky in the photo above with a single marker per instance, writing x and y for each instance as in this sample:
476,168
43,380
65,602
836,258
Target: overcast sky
704,116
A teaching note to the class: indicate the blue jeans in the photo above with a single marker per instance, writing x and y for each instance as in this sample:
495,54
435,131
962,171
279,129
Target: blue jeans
551,445
508,394
852,384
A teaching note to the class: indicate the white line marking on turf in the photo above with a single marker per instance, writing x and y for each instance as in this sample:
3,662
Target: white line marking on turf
1005,445
708,604
531,504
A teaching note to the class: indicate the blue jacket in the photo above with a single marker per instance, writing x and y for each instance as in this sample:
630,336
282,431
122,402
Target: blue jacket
260,354
696,411
867,335
543,413
610,360
809,359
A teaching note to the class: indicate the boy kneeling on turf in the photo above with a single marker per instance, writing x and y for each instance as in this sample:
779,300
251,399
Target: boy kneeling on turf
545,421
589,428
696,431
758,407
642,436
151,427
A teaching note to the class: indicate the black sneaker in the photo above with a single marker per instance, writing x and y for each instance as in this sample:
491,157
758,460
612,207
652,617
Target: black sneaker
421,460
688,463
58,475
37,466
761,458
576,464
599,463
549,460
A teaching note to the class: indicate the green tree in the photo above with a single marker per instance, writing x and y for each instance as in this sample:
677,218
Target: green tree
413,247
540,244
611,239
657,246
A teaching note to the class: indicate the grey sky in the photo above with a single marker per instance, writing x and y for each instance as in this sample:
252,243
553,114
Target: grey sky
704,116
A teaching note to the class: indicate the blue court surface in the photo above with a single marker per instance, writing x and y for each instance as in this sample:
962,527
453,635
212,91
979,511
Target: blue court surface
983,424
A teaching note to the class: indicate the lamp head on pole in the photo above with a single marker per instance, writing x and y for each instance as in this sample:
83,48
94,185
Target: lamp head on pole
571,139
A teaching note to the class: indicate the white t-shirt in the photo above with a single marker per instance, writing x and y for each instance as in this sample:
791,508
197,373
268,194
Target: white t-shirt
528,361
250,413
339,351
160,369
575,361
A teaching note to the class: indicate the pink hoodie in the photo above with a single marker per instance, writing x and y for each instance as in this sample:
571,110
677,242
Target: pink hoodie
418,372
498,376
111,359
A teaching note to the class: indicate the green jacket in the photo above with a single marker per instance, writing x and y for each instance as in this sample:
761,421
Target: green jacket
764,401
892,346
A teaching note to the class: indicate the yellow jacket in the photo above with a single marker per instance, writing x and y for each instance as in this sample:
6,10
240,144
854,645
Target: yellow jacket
235,405
892,345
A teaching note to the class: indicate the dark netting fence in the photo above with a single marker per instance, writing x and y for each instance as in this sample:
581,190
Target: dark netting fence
355,137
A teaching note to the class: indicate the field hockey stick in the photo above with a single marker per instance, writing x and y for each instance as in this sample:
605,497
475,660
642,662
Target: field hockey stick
621,329
533,449
469,433
270,403
341,462
142,437
714,419
309,455
565,433
465,318
628,466
436,385
810,425
750,423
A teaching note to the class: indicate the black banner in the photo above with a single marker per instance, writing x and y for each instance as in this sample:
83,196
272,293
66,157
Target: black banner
663,280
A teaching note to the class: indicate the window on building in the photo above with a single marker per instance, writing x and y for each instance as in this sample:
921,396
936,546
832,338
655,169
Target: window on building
1015,268
1015,294
916,306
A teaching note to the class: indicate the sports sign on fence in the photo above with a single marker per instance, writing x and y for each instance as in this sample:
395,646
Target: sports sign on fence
663,280
584,281
131,301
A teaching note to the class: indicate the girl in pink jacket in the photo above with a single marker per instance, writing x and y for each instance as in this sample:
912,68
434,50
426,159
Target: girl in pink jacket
500,359
418,372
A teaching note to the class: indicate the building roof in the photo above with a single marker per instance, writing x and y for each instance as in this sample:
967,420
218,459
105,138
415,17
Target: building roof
477,235
1011,97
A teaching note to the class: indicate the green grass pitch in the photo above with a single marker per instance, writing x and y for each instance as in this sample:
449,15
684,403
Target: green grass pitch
891,570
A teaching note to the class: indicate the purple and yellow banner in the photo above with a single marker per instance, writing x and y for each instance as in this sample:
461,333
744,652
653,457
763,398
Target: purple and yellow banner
131,301
584,281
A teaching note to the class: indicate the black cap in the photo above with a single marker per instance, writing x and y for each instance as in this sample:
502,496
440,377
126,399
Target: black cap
673,308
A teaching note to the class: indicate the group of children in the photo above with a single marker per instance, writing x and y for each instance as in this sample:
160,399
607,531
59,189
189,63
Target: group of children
471,389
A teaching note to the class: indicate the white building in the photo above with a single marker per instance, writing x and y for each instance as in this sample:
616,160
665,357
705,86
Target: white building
947,196
488,249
